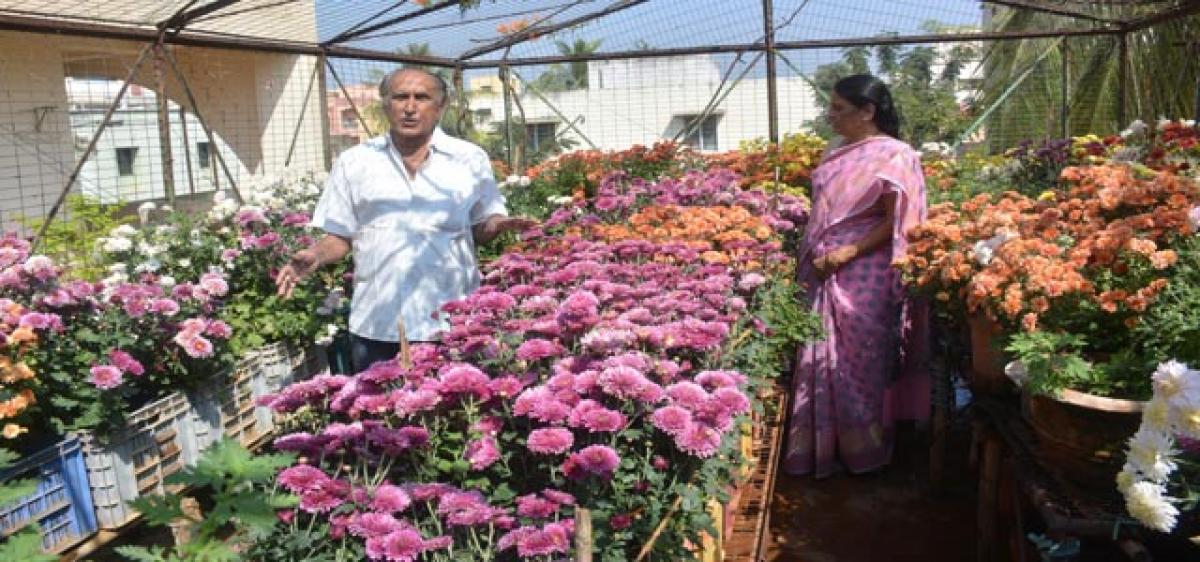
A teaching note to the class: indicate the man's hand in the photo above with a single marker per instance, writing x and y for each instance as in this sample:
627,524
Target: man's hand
496,225
827,264
302,264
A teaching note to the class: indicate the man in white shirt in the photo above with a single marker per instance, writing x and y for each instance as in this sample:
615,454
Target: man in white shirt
411,204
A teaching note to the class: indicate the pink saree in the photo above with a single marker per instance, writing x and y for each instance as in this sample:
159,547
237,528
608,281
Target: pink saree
869,370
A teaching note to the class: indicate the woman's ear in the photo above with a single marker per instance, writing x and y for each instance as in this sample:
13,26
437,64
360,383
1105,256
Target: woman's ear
868,111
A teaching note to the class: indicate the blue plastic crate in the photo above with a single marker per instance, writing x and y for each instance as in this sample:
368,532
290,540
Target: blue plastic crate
62,504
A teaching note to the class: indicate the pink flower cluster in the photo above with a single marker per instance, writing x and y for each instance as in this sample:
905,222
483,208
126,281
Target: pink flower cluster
192,332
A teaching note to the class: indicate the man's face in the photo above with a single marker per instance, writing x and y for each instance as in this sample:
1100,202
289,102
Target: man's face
415,105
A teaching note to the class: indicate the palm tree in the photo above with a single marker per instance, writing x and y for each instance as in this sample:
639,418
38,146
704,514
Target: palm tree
1091,67
578,69
858,58
887,56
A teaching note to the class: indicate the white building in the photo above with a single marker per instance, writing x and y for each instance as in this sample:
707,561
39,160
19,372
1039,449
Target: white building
641,101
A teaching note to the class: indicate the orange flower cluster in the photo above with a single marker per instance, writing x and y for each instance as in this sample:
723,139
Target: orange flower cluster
15,375
719,231
592,165
1104,239
796,157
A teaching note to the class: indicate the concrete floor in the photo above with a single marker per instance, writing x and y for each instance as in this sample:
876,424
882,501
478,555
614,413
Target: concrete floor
890,515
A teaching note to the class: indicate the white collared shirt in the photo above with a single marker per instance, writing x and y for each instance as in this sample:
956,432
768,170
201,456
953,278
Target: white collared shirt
412,243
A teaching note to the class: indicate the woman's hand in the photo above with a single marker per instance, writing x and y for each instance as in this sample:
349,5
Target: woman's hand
833,260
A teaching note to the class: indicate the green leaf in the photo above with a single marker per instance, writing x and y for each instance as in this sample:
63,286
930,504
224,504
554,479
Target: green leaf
15,490
26,546
141,553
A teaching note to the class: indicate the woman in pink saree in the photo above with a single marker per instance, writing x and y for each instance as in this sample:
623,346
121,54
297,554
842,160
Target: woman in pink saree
851,387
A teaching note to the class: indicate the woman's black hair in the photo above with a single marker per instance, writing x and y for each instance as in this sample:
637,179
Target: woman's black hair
861,89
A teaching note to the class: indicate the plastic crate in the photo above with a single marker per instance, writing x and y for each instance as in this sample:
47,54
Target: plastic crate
62,504
157,443
275,362
231,410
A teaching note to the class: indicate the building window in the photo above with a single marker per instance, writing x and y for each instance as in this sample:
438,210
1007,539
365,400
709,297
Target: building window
125,158
539,136
204,154
704,134
349,121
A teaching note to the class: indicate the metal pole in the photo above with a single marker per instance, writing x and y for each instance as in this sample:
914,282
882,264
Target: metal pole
462,112
508,126
1122,78
326,148
187,151
213,149
1064,111
112,108
164,126
772,93
312,81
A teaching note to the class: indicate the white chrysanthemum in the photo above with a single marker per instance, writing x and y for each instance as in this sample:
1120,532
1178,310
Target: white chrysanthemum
1189,123
1126,478
114,279
118,267
1163,123
185,263
149,250
1151,454
1185,414
983,252
524,181
1157,415
123,231
166,281
149,266
115,245
1169,378
1135,129
1147,503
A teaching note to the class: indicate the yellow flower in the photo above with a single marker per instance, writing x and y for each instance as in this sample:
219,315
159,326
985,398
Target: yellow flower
1047,195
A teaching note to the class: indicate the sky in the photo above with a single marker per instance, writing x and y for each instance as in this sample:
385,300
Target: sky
656,23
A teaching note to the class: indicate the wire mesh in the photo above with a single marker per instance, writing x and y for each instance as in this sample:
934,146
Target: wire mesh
609,82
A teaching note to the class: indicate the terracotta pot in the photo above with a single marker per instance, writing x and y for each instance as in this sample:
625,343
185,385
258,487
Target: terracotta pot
1082,437
987,359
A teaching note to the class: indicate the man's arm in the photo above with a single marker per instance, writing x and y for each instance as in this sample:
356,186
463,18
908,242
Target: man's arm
328,249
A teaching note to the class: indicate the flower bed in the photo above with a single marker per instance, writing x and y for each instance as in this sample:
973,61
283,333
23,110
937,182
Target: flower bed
590,371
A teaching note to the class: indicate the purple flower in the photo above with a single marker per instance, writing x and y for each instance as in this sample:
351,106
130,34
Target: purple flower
218,329
368,525
687,394
390,499
732,400
534,507
465,509
482,453
620,521
537,348
325,496
559,497
603,419
506,387
699,440
465,379
600,460
106,376
550,441
403,545
301,478
230,254
126,362
672,420
622,382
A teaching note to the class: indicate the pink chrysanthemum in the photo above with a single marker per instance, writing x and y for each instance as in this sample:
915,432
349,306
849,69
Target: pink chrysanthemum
367,525
534,507
687,394
699,440
603,419
390,499
732,399
600,460
538,348
550,441
106,376
482,453
622,382
465,379
672,420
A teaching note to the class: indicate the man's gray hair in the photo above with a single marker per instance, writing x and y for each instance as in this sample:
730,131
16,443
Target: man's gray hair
385,85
